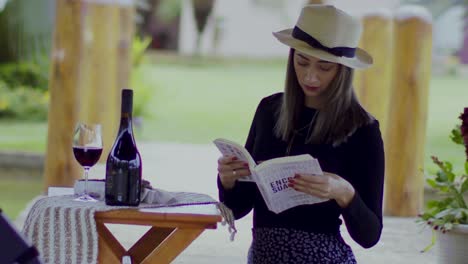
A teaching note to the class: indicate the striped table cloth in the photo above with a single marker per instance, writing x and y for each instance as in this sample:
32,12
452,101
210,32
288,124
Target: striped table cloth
64,230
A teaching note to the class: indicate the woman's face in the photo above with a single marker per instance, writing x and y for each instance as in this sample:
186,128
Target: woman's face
314,76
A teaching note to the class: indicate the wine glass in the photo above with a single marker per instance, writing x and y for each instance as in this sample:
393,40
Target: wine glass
87,148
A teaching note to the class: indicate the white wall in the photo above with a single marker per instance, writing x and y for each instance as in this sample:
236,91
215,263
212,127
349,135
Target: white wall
358,6
448,30
247,28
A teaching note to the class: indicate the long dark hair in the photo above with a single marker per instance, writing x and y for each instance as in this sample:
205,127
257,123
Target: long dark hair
339,117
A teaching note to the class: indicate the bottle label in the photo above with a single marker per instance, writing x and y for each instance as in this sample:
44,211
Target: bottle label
123,182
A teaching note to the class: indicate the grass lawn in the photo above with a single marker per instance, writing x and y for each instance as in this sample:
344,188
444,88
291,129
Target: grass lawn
15,194
448,97
196,102
23,136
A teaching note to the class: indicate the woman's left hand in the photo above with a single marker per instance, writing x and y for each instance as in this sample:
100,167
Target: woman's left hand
328,186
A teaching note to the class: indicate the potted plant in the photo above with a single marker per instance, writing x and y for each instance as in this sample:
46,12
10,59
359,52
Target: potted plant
448,215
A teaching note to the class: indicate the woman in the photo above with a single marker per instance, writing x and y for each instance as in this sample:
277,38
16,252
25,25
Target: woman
318,114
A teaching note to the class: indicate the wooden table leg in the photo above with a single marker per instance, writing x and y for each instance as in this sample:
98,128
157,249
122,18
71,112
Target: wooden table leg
109,248
171,247
148,242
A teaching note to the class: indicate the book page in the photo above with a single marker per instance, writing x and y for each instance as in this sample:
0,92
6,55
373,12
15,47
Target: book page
231,148
273,176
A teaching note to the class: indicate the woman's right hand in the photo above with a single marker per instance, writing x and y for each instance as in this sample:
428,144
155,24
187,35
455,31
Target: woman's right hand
230,169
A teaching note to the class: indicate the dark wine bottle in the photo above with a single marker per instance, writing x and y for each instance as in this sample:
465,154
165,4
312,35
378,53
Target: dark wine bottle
123,167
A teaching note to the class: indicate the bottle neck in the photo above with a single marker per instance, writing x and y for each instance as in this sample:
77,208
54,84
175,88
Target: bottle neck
126,123
126,113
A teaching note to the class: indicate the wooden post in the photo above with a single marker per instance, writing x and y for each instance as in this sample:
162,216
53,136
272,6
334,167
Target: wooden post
100,43
60,166
373,85
108,35
124,52
406,133
310,2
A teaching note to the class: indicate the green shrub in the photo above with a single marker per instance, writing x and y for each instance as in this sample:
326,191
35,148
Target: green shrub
24,95
143,93
139,47
25,74
5,101
23,103
140,86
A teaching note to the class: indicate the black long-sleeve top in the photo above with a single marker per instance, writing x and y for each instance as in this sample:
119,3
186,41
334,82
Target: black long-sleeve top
359,160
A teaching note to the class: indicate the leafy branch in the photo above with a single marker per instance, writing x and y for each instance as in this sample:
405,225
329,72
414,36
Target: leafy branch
451,208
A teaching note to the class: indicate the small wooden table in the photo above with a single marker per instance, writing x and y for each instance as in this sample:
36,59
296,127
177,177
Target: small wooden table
172,230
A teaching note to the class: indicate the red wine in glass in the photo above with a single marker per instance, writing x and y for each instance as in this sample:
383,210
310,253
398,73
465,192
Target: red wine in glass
87,148
87,156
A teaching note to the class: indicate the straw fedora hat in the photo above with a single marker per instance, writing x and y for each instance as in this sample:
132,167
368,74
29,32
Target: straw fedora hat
327,33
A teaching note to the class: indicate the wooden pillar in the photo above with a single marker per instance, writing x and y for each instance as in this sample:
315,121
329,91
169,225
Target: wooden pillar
310,2
373,85
90,65
106,64
124,51
60,165
406,131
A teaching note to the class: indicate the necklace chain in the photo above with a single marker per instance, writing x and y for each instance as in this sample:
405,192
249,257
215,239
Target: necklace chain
296,132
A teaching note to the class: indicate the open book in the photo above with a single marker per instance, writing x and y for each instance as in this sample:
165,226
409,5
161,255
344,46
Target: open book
272,176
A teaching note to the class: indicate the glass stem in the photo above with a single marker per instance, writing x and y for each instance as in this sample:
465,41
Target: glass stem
86,169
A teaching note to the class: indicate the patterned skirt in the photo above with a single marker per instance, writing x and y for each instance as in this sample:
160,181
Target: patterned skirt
283,245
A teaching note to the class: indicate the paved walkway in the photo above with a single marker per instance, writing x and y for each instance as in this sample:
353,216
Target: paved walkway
185,167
